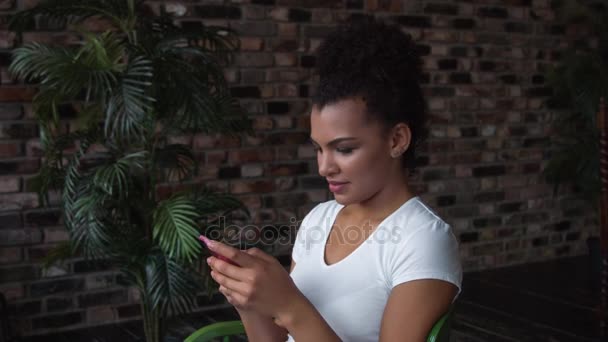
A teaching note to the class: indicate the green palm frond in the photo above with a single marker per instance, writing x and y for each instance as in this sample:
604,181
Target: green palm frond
175,228
171,286
114,178
177,160
208,202
126,114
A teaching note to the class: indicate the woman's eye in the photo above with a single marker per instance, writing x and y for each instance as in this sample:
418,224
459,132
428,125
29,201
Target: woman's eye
344,150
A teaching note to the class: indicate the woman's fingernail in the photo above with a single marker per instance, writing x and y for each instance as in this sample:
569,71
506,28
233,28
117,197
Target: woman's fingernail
209,261
207,242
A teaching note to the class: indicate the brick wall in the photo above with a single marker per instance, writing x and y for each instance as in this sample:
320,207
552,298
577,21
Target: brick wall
489,136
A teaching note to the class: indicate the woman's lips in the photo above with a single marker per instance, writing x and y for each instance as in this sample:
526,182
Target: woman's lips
337,187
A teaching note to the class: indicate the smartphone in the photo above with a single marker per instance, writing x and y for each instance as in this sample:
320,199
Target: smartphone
219,256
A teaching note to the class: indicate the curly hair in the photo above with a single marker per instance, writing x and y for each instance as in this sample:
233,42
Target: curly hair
376,61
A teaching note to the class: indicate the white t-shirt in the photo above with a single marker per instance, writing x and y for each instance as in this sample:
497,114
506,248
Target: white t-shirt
411,243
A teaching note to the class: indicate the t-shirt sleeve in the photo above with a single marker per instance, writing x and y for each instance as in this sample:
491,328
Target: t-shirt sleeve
431,252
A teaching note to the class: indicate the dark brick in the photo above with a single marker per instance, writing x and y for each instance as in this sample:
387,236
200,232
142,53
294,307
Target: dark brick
518,131
540,241
308,61
493,12
191,25
217,12
573,236
91,266
312,182
460,77
535,142
469,237
459,51
57,321
489,197
442,91
5,59
557,29
278,107
229,172
413,21
463,24
531,168
43,218
509,79
129,311
18,274
56,286
459,212
10,221
511,207
59,304
26,308
469,132
562,250
447,64
488,171
538,79
441,8
303,90
264,2
478,51
517,27
20,167
492,248
354,4
20,131
562,226
102,298
425,78
299,16
422,161
423,49
437,174
487,222
487,66
539,92
244,92
444,201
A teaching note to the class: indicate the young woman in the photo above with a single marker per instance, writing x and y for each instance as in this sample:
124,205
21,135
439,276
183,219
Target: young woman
375,264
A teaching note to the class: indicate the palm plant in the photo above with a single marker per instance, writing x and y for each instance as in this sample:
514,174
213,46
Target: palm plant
579,80
140,82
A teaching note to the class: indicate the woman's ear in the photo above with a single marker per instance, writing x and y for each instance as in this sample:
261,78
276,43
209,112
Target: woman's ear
400,139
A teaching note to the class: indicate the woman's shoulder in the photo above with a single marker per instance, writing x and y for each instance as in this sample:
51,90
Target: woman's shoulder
415,215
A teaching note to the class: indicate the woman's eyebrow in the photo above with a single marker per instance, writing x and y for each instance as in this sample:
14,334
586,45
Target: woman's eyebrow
333,142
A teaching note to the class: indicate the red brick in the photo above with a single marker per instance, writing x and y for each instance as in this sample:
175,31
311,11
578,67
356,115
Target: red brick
258,186
251,155
16,94
11,149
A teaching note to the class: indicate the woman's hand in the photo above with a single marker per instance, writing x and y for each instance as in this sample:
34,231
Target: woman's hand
260,284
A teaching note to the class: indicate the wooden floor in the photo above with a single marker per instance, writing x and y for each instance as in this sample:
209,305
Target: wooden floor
550,301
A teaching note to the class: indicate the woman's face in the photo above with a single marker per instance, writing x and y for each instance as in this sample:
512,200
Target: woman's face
353,152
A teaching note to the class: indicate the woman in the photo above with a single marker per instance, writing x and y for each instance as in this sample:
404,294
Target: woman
375,264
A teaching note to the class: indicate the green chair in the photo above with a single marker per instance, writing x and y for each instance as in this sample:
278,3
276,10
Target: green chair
439,333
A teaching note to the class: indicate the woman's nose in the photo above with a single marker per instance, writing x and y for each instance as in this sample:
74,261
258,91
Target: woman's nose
327,165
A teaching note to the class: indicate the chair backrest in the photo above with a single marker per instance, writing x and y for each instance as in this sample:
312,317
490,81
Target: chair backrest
441,330
215,330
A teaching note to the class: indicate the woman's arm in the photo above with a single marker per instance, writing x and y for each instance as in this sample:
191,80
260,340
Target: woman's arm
261,328
413,308
305,323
